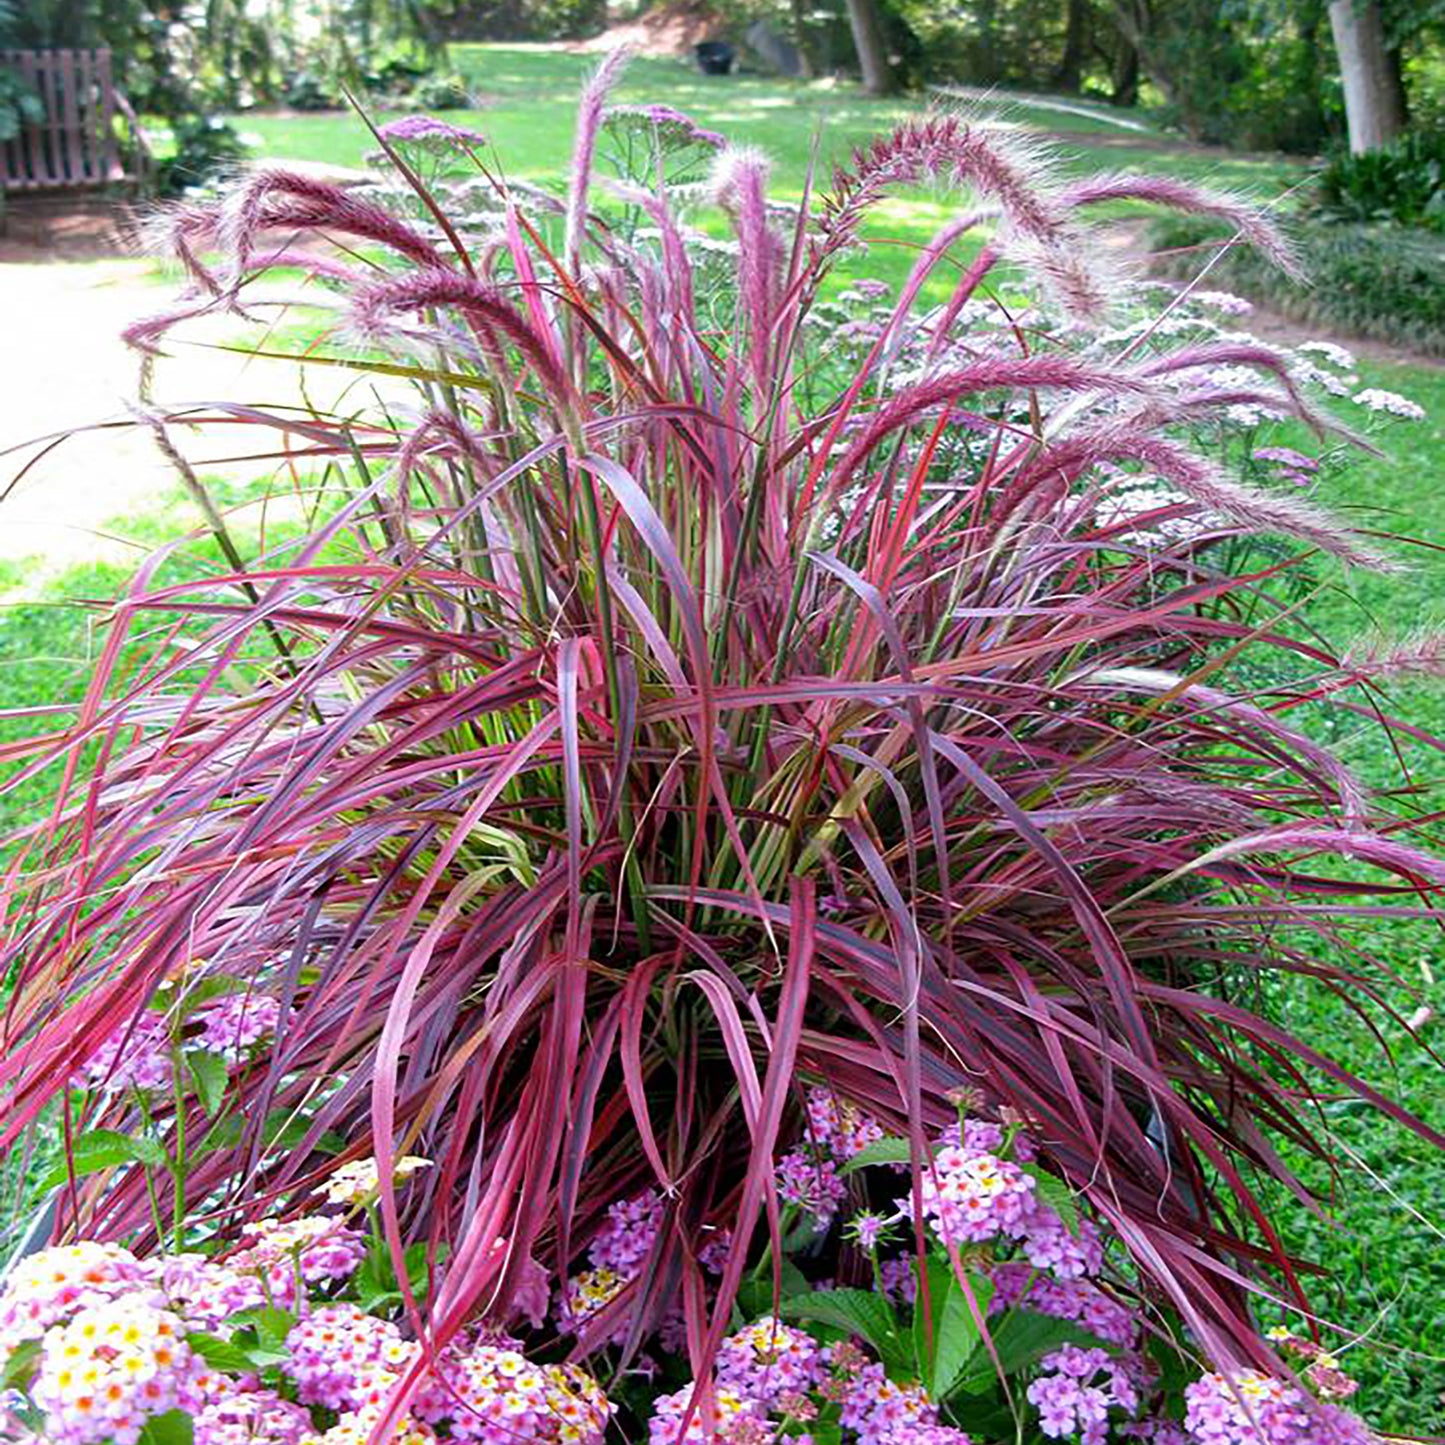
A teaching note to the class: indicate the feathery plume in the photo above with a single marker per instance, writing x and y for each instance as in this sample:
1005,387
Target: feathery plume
590,113
1205,483
1252,224
1296,747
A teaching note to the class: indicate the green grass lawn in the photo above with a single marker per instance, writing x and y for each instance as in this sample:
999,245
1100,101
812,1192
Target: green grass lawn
1386,1247
1388,1262
530,98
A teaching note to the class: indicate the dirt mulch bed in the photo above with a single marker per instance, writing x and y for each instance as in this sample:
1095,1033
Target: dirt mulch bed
63,226
665,30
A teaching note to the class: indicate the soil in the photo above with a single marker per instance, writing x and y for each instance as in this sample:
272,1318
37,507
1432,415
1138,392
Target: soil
1126,241
665,30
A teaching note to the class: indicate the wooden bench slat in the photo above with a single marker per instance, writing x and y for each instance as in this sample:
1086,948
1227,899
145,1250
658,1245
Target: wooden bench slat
110,153
34,135
55,119
75,149
87,84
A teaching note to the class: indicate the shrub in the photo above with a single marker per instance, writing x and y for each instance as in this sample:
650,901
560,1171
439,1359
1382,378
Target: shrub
1374,281
699,699
308,90
397,74
19,105
1403,182
440,92
207,148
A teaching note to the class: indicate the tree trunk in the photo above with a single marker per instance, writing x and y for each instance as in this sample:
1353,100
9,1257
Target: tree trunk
1124,75
1372,99
872,51
1135,22
1070,72
803,39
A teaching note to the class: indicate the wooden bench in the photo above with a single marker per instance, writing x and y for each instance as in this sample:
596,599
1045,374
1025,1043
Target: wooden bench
75,145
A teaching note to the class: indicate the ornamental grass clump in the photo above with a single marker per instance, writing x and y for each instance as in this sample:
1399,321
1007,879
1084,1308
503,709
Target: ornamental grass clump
756,790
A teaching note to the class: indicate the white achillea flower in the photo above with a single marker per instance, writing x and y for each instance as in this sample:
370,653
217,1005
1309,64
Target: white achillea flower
1376,399
1232,378
1329,381
1144,495
1225,302
1126,333
1249,413
1181,325
1329,351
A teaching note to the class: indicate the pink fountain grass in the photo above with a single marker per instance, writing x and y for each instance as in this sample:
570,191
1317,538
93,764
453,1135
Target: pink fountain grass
671,714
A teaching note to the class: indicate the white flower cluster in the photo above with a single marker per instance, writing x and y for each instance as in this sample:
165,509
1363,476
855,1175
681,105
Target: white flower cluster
1378,400
1140,496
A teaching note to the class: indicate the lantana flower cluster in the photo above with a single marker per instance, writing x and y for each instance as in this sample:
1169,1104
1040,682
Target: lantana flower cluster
880,1411
106,1341
102,1341
1076,1390
1254,1409
617,1254
110,1368
141,1053
809,1175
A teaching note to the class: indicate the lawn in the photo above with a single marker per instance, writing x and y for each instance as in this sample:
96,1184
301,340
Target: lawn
530,96
1385,1246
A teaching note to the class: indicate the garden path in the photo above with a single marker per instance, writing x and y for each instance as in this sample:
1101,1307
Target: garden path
68,368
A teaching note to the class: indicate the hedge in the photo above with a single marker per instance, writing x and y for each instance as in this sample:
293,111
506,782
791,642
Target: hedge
1375,281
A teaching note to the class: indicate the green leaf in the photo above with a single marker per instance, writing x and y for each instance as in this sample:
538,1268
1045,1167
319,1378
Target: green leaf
261,1332
105,1149
1020,1338
273,1325
285,1130
175,1427
224,1133
755,1296
21,1365
888,1150
854,1310
956,1333
211,1076
203,991
1058,1196
221,1354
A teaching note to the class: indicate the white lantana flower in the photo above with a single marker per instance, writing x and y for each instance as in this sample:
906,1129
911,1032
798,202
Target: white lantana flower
358,1181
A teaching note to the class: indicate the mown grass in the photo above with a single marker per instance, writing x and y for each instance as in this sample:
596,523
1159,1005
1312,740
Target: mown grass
1384,1246
530,97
